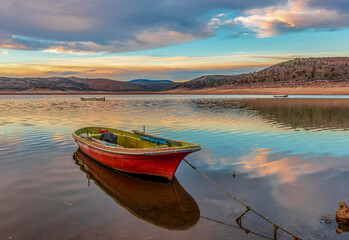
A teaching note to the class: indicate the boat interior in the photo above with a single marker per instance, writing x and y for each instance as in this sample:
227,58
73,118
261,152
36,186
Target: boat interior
127,139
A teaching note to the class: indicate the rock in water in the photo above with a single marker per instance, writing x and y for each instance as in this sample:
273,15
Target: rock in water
342,217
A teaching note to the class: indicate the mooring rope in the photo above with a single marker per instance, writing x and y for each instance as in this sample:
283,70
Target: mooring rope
230,225
248,208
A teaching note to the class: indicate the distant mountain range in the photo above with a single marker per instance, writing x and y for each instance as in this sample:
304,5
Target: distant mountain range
147,81
82,84
154,85
295,73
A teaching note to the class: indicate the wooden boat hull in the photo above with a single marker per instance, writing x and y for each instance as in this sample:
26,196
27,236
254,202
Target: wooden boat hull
163,165
161,162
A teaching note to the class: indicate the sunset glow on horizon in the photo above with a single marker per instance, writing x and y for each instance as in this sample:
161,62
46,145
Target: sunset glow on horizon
173,40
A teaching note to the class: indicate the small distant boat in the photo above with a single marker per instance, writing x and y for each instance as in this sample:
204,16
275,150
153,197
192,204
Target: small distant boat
280,96
135,152
92,98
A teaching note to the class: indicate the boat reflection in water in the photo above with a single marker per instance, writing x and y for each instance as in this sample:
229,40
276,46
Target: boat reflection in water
164,204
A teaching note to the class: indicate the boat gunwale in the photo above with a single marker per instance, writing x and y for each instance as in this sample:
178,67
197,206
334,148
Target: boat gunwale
136,151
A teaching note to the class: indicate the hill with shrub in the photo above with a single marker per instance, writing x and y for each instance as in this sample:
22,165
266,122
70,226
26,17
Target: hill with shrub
297,72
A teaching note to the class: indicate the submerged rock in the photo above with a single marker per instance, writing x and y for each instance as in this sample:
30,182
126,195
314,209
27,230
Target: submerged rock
342,217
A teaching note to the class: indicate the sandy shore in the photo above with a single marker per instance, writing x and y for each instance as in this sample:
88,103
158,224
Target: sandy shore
213,91
270,91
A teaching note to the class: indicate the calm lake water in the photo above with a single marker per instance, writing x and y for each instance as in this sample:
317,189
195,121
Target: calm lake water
290,157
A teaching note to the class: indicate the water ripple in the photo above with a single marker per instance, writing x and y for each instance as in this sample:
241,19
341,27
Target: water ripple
273,144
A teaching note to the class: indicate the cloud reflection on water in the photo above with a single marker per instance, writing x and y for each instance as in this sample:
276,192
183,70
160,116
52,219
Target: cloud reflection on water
282,168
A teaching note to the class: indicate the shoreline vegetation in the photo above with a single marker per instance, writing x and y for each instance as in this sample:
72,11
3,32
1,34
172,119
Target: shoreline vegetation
301,76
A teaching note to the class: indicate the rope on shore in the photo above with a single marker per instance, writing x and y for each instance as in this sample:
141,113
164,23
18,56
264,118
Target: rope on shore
248,208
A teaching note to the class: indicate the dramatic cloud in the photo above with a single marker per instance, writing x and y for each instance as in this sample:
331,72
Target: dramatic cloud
295,15
222,19
85,26
80,26
341,5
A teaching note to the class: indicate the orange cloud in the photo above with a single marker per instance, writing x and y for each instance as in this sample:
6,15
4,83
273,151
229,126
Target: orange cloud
13,46
113,67
296,14
162,37
61,49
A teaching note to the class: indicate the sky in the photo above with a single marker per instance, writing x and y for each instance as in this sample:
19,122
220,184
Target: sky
165,39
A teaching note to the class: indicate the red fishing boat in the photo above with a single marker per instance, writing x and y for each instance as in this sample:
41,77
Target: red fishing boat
134,152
